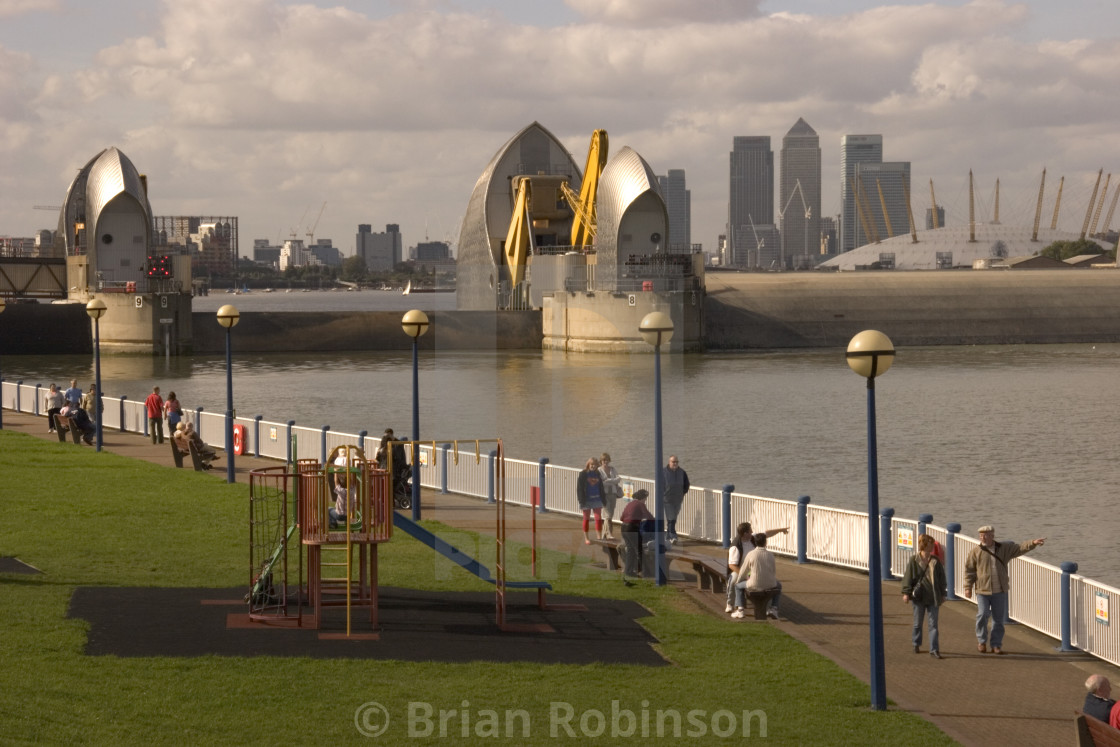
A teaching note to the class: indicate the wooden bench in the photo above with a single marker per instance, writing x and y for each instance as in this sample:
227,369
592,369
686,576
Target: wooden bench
760,601
1092,732
64,425
711,572
200,464
176,454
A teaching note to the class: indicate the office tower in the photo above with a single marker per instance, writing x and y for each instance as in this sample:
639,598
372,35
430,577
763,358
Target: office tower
678,204
830,240
940,218
750,210
799,194
854,150
381,251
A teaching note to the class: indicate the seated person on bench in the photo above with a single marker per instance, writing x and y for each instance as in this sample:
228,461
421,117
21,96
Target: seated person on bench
179,438
636,520
85,425
204,451
759,574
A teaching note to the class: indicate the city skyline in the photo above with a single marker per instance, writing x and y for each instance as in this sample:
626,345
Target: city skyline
388,111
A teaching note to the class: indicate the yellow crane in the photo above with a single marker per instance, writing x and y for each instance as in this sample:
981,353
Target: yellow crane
584,226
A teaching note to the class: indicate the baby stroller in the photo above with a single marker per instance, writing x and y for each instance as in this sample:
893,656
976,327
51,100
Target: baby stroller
402,489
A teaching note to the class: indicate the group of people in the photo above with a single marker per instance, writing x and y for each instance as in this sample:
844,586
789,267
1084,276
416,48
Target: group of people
158,410
72,404
751,568
598,489
925,586
185,435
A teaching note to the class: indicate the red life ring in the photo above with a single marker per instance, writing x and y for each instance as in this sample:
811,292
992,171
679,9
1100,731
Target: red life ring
239,439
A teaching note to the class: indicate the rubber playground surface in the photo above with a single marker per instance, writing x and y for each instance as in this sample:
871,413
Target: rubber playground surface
414,626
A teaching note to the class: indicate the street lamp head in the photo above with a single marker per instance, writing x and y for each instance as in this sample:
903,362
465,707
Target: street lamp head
229,316
656,328
96,309
414,323
870,353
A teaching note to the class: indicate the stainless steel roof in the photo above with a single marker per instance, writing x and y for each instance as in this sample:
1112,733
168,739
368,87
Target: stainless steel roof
107,175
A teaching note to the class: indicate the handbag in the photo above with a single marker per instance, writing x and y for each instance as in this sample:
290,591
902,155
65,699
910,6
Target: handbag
917,594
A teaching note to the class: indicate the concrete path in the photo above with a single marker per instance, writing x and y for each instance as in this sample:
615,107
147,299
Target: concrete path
1025,697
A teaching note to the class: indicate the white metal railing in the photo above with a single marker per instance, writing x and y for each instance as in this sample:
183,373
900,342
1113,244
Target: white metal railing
833,536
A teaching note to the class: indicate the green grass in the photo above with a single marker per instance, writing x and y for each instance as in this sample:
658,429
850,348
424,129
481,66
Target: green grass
100,519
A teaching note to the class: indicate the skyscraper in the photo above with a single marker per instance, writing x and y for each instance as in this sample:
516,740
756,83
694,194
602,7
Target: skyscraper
854,150
880,188
799,194
751,203
678,204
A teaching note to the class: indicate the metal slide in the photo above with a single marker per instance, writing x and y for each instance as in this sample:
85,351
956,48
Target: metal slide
455,555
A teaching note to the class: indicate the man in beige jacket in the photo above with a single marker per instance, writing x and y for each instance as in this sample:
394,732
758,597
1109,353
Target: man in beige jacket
986,572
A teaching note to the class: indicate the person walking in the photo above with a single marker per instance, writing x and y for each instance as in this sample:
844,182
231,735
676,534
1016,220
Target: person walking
985,572
589,494
55,400
612,491
925,585
676,486
174,411
633,517
154,405
73,395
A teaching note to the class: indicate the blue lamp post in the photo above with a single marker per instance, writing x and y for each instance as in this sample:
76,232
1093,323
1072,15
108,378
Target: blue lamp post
657,328
228,317
96,309
3,305
415,323
870,354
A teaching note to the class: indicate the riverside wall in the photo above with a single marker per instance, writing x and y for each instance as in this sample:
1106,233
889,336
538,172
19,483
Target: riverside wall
325,331
946,307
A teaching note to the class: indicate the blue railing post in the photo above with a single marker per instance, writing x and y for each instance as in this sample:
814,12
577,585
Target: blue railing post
490,473
37,387
323,445
362,439
288,438
443,471
803,529
1067,605
541,509
886,540
197,421
923,519
257,435
951,559
19,388
123,425
725,514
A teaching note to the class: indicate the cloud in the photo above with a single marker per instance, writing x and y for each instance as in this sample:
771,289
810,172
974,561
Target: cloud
13,8
648,13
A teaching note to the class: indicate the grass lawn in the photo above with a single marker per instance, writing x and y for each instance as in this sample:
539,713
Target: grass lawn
89,519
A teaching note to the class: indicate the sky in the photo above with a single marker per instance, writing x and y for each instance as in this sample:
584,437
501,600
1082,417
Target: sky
318,116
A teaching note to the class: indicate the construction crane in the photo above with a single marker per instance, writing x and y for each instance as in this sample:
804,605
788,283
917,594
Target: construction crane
47,207
805,210
311,233
759,243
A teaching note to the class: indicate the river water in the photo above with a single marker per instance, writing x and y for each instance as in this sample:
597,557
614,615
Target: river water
1022,437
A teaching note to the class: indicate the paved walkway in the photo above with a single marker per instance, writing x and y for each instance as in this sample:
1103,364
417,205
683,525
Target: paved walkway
1026,697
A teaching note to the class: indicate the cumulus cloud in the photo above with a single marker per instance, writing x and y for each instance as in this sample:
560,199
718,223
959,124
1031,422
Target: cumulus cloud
260,108
13,8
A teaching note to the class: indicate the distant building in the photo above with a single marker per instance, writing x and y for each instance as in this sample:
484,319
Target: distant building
940,218
751,199
295,254
830,236
212,241
678,202
381,251
433,251
11,246
854,150
799,195
326,253
265,253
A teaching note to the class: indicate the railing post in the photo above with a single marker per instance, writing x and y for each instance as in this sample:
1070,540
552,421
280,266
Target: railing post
323,445
288,438
541,509
362,440
37,387
19,388
886,542
124,427
1067,606
803,529
490,473
923,519
951,559
197,421
443,470
725,515
257,435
